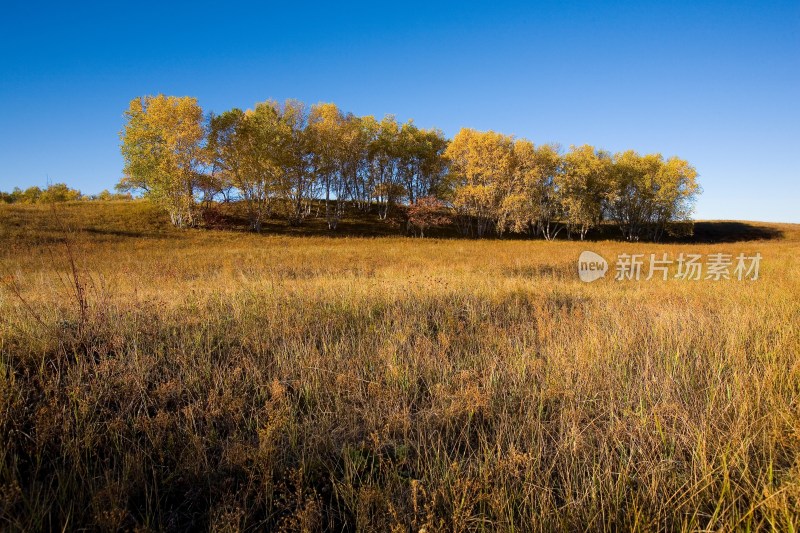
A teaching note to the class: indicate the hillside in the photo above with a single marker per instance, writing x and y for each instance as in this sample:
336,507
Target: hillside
105,220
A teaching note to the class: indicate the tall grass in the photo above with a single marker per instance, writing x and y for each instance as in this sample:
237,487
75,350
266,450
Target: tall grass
209,379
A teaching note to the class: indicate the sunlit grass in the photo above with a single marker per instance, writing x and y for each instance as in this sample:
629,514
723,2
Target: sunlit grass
227,380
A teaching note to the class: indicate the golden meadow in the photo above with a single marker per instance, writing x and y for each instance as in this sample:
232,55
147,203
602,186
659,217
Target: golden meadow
161,379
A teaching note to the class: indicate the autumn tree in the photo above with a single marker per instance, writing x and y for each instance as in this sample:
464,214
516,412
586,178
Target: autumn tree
421,166
498,183
359,132
430,163
31,195
337,149
518,207
59,192
106,196
55,192
294,155
384,164
481,166
425,213
543,180
289,157
675,198
162,145
245,148
584,185
650,196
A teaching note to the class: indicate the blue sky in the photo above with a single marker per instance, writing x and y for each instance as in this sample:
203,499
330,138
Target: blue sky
716,83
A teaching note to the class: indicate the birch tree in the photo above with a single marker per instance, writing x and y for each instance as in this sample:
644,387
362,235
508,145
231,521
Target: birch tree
162,145
584,185
481,164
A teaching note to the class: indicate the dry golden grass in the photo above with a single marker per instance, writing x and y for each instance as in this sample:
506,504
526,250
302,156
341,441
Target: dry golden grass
210,379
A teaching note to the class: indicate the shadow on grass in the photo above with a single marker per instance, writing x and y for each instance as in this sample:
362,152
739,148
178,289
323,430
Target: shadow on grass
139,219
159,233
731,231
706,232
369,225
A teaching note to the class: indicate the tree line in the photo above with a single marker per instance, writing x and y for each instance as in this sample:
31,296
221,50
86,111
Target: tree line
280,159
55,192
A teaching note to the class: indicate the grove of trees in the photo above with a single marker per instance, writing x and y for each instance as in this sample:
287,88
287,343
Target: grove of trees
281,160
53,193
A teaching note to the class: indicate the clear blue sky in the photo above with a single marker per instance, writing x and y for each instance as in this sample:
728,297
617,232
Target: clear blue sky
716,83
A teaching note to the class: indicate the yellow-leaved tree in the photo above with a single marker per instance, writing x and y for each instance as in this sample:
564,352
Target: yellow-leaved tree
531,201
245,149
162,144
330,135
584,186
481,170
650,196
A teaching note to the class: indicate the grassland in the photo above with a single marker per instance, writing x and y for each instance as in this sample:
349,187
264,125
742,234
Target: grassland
156,379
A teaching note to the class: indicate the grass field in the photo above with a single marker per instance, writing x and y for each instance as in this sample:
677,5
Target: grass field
156,379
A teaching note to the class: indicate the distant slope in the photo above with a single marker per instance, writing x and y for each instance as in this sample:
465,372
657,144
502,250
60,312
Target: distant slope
112,220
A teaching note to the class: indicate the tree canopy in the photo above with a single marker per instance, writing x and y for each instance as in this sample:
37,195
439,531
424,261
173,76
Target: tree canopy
281,159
